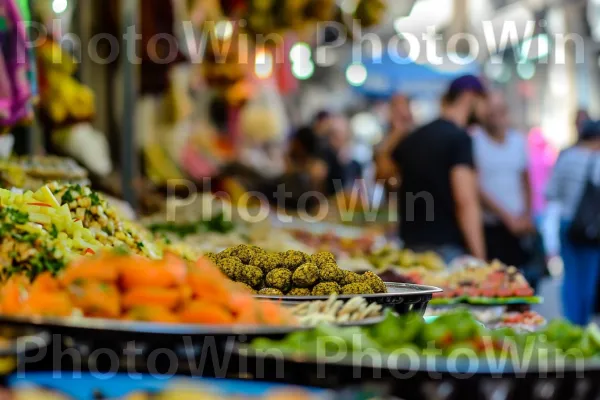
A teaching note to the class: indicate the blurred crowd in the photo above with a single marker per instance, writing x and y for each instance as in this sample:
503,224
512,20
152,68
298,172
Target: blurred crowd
466,184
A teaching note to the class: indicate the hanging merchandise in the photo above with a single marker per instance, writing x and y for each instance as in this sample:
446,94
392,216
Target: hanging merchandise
87,145
224,64
278,16
370,12
25,10
67,108
16,78
163,126
63,98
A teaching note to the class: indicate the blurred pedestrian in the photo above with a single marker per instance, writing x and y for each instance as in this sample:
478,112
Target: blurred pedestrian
439,196
501,159
576,173
321,123
582,116
401,124
305,171
342,169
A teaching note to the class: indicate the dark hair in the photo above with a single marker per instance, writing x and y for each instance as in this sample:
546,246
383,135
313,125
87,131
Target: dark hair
307,139
321,116
590,130
463,84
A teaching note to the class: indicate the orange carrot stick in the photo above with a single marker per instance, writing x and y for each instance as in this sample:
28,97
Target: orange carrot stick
201,312
151,296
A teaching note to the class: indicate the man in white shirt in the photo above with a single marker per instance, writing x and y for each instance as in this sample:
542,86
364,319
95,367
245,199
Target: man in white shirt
501,159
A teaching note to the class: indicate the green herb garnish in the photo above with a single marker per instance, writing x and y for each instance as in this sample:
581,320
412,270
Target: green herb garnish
95,199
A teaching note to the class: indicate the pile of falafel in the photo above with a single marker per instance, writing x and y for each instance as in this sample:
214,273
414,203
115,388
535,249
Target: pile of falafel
293,273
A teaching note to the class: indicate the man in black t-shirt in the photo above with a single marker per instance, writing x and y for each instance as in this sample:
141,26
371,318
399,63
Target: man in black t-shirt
439,202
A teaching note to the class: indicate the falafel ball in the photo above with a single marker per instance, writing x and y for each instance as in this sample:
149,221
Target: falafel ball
211,256
299,292
231,266
256,249
330,272
357,288
270,292
279,278
350,277
251,275
225,253
267,261
306,275
243,252
323,257
292,259
326,289
375,282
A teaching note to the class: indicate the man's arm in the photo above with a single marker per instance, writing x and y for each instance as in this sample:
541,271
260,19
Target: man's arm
463,180
528,193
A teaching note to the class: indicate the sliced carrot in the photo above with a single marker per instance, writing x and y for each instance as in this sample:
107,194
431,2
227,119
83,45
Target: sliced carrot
13,294
271,313
187,294
240,302
89,251
48,304
152,314
45,282
146,274
96,269
177,266
209,289
201,312
96,299
151,296
248,316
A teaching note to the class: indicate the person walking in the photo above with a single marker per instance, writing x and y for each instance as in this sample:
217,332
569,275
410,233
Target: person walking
576,175
439,196
501,159
401,124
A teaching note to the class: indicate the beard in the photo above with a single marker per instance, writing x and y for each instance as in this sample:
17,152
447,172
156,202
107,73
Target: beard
473,119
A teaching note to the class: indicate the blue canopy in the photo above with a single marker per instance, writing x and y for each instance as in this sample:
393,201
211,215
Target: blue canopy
386,77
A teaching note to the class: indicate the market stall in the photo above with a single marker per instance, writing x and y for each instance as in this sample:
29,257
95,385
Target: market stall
209,303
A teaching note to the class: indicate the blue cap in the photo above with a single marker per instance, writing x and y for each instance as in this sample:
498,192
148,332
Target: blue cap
466,83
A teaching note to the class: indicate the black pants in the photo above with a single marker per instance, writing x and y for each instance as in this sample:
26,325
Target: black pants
504,246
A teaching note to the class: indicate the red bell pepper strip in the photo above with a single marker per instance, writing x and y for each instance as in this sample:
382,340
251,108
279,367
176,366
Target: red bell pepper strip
40,204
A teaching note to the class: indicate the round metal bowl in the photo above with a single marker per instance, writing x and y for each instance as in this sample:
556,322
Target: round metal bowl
403,297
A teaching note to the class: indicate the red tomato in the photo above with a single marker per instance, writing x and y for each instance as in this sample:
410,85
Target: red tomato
523,292
505,292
